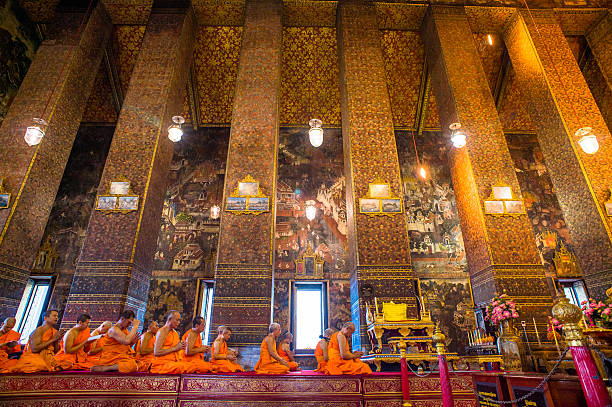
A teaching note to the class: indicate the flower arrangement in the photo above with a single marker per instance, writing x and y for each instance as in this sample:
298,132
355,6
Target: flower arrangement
554,329
501,308
598,313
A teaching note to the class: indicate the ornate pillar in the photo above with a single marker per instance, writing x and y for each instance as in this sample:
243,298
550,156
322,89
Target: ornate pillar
32,174
599,38
114,268
559,103
243,276
378,244
501,250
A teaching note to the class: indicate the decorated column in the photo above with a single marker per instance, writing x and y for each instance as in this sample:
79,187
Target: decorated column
114,268
377,231
243,276
499,241
56,89
599,38
560,103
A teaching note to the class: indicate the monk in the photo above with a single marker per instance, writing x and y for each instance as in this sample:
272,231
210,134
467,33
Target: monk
194,350
94,348
146,344
168,358
341,359
223,360
73,345
269,361
40,350
117,353
321,351
9,343
285,352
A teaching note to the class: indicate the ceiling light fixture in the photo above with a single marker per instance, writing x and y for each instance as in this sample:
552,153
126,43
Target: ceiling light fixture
458,137
175,132
315,134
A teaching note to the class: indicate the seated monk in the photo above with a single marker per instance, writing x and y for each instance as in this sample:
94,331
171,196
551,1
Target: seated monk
321,351
285,352
146,344
94,348
167,351
194,350
341,359
269,361
224,361
9,343
73,345
117,354
40,350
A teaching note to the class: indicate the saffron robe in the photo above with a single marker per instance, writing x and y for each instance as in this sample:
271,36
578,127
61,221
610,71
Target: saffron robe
337,366
43,361
322,363
267,365
95,359
79,360
173,362
292,365
5,362
148,357
224,365
122,355
196,361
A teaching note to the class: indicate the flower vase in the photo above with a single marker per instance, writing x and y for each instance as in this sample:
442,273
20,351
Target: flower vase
508,346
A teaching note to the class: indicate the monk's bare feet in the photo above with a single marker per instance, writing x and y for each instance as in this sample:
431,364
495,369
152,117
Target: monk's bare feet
102,368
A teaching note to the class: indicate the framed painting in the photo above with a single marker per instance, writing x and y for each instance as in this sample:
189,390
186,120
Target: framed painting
235,203
368,205
106,203
119,188
393,205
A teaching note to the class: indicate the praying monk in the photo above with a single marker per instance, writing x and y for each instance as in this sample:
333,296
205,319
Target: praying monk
146,344
194,350
95,348
40,350
224,360
321,351
117,353
285,352
9,343
168,358
341,359
73,345
269,361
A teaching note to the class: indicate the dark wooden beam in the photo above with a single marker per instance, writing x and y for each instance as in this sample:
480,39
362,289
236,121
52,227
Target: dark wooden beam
423,100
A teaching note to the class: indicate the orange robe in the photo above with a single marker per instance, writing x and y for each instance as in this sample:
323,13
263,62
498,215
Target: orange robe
196,361
266,364
95,359
173,362
43,361
122,355
148,357
336,365
322,364
79,360
5,362
224,365
292,365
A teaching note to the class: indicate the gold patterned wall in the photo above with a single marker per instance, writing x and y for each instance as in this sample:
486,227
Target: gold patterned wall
100,107
127,40
309,76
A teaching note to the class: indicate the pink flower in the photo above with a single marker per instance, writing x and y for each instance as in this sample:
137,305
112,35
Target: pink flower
515,315
555,321
507,314
510,303
606,311
494,303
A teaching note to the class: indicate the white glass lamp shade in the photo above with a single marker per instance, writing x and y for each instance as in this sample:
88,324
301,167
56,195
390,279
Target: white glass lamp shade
587,140
34,135
175,133
215,211
458,139
311,210
315,135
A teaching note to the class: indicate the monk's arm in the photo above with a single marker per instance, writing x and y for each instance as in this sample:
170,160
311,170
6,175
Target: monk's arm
216,354
344,351
120,337
143,342
189,349
324,349
95,349
288,351
160,338
69,346
272,352
36,340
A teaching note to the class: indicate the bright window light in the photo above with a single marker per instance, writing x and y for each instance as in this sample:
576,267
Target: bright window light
31,307
206,302
309,316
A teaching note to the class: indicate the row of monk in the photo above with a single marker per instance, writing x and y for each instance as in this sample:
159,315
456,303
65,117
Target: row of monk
121,348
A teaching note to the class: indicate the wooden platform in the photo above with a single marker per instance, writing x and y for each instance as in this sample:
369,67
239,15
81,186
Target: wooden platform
235,390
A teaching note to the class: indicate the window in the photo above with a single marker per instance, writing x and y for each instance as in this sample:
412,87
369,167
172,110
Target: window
33,302
574,290
309,313
205,301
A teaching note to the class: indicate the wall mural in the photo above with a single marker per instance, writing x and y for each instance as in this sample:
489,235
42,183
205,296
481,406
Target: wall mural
18,44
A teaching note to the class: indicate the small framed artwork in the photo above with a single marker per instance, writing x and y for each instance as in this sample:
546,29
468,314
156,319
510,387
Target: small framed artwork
393,205
5,200
494,207
106,203
608,207
514,207
119,188
127,203
380,190
368,205
502,192
258,204
235,203
248,188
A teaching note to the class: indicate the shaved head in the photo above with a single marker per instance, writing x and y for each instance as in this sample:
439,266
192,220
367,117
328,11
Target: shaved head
9,323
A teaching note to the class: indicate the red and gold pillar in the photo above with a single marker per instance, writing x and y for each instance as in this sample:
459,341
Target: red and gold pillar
378,244
559,103
56,88
114,268
501,250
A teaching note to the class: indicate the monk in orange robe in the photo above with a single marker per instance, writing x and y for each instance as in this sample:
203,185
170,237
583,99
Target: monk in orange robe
321,351
40,350
73,345
341,359
9,343
94,349
117,353
224,360
146,344
285,352
193,354
269,361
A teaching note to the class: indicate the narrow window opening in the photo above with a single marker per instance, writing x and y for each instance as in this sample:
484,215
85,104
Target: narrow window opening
310,314
205,302
33,302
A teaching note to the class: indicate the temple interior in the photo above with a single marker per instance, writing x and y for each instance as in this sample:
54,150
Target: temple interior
430,181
